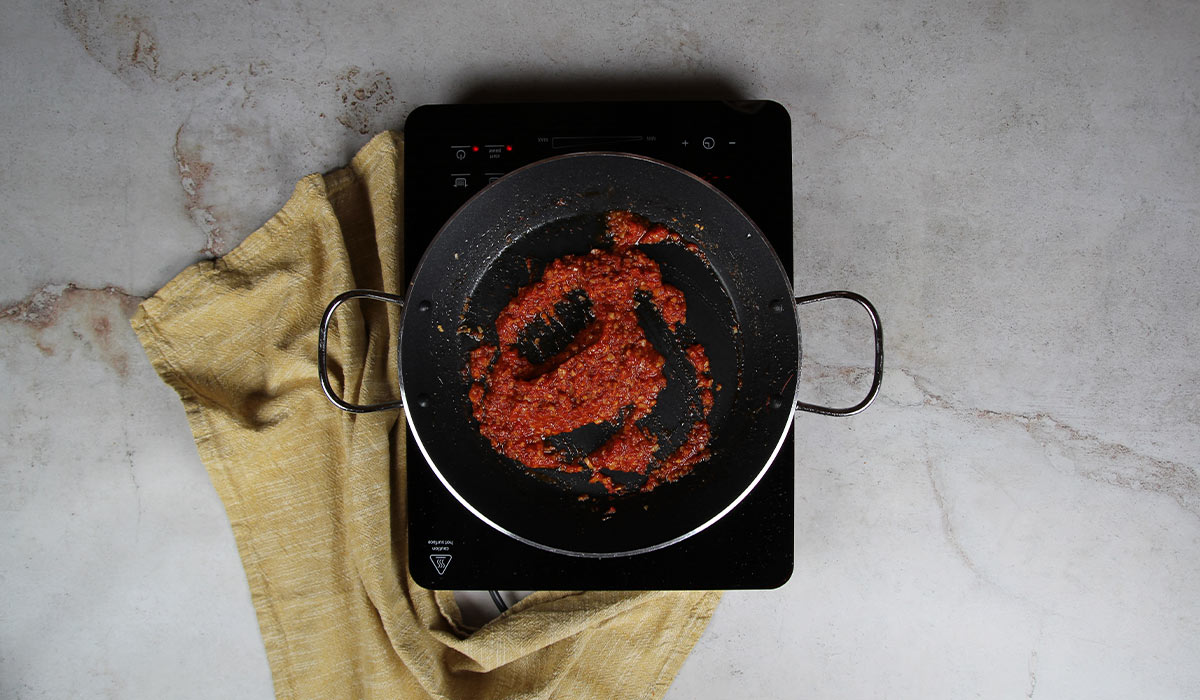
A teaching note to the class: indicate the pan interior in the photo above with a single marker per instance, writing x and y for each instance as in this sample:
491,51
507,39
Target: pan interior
710,322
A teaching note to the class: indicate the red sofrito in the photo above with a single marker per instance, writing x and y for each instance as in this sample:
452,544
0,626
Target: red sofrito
609,373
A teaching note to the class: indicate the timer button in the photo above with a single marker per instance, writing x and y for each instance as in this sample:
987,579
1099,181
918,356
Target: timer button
708,143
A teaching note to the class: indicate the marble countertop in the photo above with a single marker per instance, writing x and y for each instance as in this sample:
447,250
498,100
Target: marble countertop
1014,184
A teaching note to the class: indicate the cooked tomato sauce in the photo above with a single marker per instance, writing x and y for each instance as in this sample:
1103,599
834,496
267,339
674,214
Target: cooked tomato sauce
608,374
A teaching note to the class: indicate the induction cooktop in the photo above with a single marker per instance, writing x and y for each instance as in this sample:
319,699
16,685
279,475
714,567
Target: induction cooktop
452,152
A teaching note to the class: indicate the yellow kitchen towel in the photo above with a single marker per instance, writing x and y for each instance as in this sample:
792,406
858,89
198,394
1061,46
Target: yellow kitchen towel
316,497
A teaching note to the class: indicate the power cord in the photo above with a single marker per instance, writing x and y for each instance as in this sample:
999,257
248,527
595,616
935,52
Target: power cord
500,604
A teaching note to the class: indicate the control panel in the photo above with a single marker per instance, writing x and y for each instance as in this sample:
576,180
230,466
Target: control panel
742,148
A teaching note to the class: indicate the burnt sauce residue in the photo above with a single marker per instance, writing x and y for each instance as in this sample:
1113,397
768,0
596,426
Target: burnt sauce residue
593,372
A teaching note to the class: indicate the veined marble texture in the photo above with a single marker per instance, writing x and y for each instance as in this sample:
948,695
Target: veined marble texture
1014,184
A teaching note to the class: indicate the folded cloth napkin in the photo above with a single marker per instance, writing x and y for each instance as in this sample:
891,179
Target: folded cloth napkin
316,497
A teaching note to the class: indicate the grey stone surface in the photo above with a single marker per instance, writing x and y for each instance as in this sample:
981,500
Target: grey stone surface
1014,184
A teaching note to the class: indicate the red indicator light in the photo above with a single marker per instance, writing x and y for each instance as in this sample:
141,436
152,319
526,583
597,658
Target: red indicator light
508,148
475,148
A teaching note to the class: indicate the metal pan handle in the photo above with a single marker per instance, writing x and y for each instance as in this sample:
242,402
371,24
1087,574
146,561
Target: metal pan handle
322,360
875,383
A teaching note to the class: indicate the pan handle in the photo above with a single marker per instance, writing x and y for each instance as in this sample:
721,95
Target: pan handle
878,379
322,360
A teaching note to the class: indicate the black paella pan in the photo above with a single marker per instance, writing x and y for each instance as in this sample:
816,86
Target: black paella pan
741,308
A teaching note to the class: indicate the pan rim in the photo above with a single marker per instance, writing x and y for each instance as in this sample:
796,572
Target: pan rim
412,422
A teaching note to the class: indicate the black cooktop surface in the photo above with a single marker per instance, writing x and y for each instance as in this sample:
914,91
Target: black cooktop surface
453,151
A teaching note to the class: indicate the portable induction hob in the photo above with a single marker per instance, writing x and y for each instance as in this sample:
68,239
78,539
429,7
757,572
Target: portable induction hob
453,151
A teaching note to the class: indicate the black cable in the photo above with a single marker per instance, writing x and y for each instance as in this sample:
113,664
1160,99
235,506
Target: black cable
500,605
